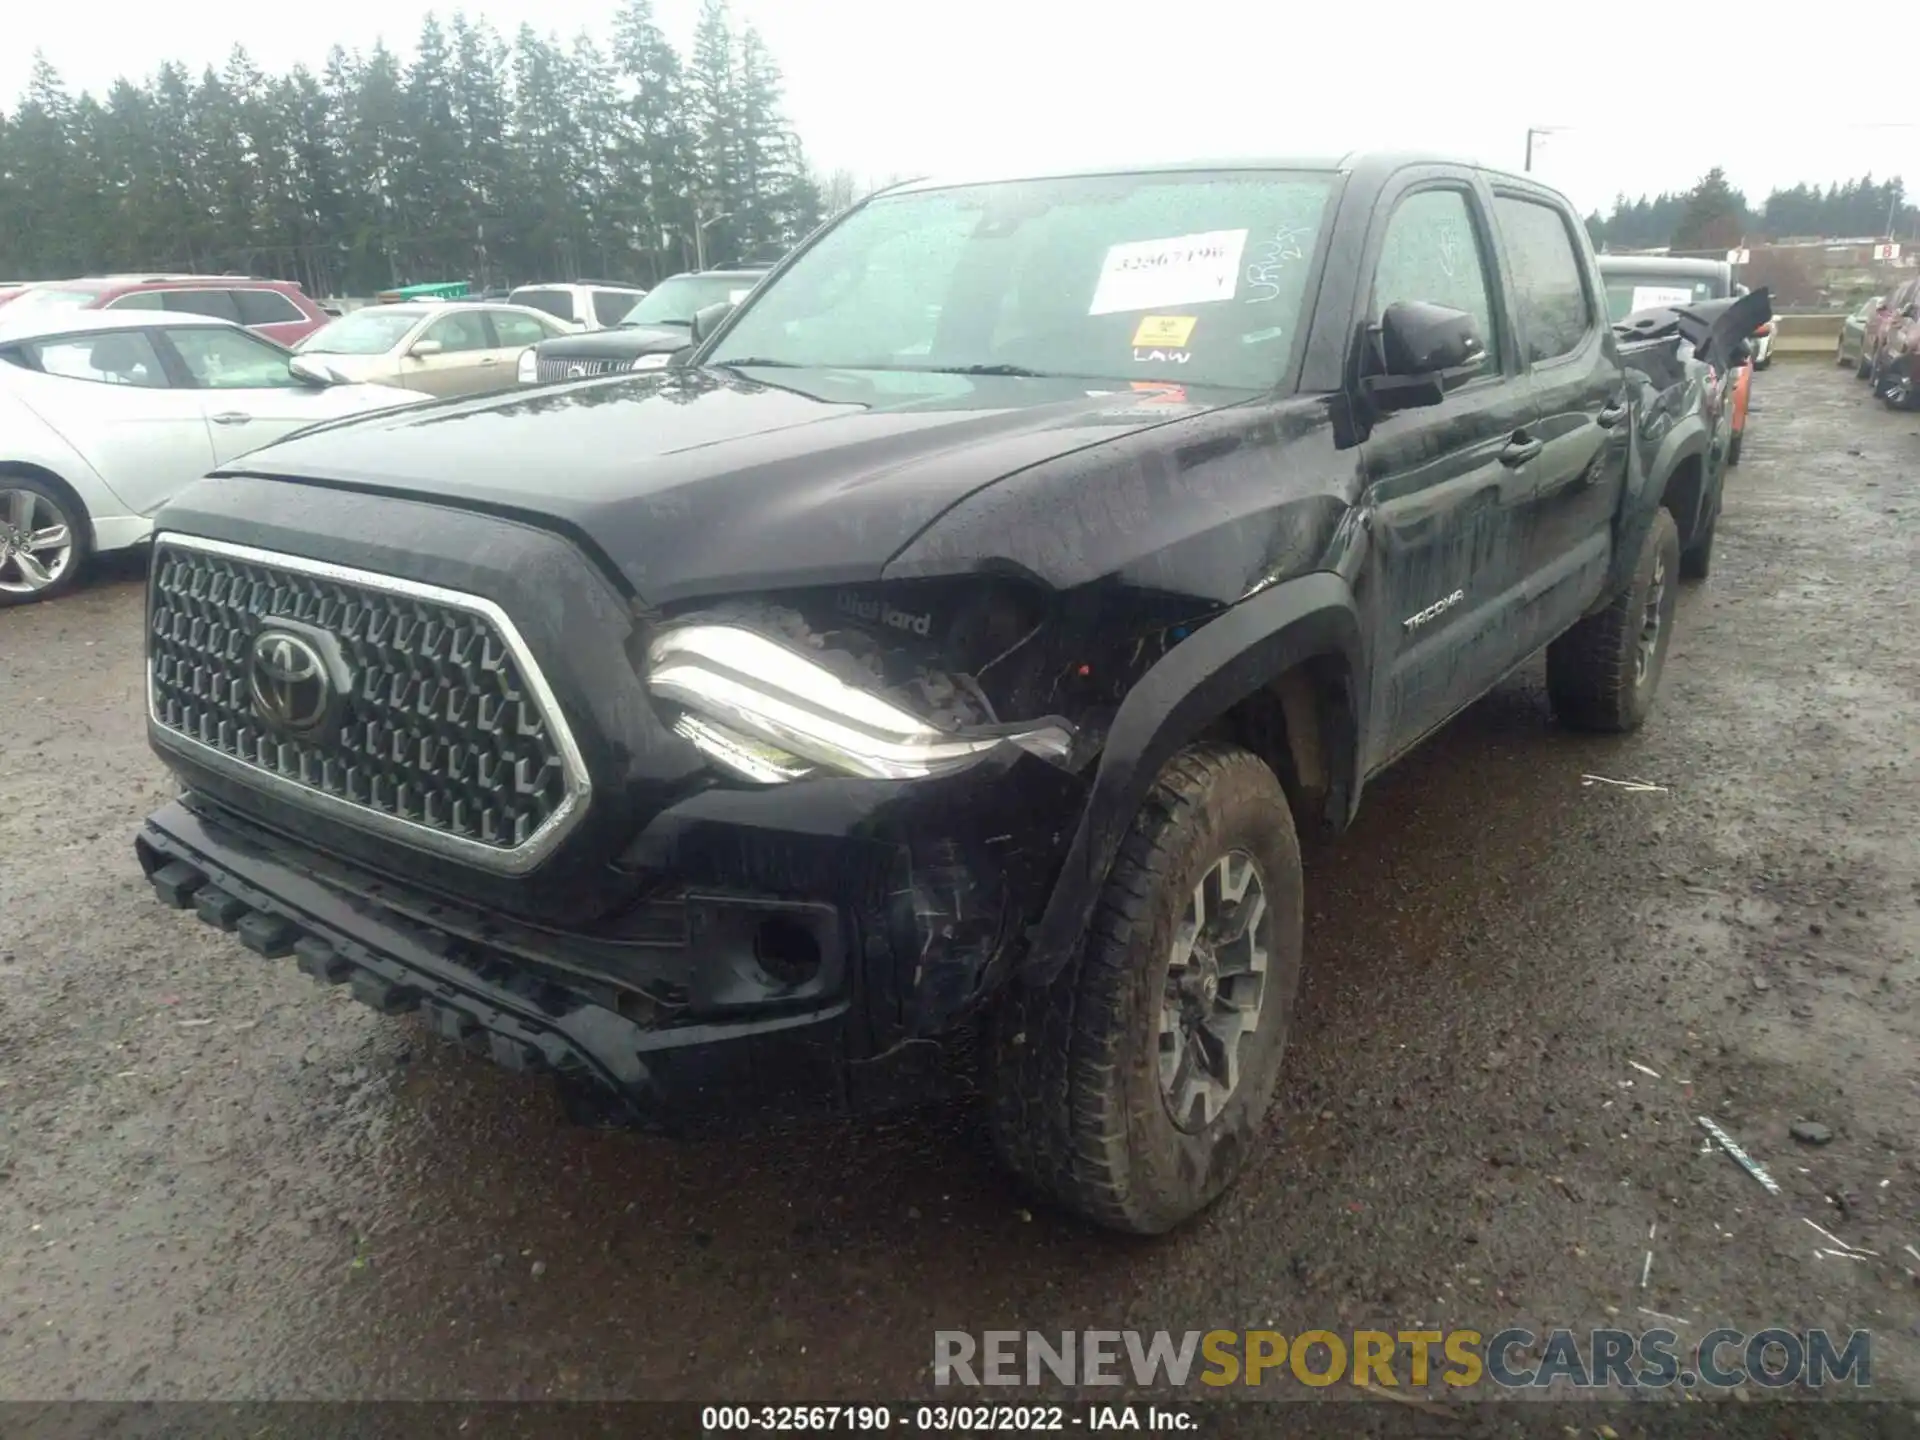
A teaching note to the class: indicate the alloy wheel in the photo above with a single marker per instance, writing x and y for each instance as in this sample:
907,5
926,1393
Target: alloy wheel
1216,982
1650,622
36,542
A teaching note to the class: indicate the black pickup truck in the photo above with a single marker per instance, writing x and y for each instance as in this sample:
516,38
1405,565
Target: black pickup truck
919,685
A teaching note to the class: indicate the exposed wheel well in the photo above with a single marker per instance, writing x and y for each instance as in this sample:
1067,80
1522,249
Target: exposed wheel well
76,507
1302,724
1683,495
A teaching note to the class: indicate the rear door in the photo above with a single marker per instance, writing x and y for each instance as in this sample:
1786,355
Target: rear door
1564,500
1445,483
112,396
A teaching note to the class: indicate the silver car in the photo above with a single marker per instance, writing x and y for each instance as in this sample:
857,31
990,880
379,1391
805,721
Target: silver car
437,347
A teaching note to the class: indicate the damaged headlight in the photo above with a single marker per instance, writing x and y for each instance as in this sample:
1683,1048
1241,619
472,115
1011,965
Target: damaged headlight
768,714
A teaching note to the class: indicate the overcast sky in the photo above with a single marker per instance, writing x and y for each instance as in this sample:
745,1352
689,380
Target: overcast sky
1649,95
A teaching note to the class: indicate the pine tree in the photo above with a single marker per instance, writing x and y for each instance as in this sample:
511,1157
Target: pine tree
716,147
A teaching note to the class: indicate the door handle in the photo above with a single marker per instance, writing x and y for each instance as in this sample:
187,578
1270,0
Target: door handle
1612,416
490,360
230,417
1522,448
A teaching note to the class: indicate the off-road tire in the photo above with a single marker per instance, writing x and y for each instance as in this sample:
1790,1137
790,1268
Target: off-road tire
1864,370
1075,1103
1591,670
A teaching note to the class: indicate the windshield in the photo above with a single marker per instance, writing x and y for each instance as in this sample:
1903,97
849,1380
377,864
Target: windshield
365,332
46,298
674,301
1628,293
1194,277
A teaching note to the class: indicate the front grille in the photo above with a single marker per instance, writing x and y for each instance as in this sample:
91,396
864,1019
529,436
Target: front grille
446,736
563,369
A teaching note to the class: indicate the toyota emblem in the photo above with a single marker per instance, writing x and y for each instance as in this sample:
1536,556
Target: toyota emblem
292,690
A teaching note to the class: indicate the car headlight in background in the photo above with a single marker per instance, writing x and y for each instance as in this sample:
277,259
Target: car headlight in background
651,362
768,714
528,370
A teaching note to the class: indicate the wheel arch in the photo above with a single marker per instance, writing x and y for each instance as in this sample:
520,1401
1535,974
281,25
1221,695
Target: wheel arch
1283,673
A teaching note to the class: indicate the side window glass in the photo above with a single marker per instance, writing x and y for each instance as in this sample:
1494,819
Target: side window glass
266,307
516,329
123,357
1431,253
1548,292
136,300
202,301
465,331
223,359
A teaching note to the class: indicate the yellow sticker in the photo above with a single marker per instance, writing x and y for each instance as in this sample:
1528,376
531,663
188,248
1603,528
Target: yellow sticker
1165,330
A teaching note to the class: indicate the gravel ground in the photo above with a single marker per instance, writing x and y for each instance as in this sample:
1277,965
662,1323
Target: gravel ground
218,1180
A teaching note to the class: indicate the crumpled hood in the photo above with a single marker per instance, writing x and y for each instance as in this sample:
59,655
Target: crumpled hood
696,483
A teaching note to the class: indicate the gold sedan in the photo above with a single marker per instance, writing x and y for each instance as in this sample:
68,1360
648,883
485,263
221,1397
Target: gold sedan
437,347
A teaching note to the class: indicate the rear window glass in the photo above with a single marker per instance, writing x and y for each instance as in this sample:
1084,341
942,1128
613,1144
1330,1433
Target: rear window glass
557,303
266,307
1628,293
610,306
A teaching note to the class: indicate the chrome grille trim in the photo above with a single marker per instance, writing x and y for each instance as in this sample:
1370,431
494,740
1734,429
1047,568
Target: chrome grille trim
562,369
577,786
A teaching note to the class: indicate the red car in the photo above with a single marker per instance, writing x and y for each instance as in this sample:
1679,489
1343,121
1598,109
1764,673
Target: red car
277,309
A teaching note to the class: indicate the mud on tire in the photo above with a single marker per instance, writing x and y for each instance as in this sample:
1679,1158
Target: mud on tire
1078,1104
1604,673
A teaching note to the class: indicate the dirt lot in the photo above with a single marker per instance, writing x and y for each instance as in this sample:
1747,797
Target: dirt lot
219,1180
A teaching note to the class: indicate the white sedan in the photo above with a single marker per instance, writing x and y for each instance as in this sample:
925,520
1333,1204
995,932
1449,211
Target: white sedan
105,415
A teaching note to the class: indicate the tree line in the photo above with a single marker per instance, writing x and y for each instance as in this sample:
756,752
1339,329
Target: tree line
1714,215
475,159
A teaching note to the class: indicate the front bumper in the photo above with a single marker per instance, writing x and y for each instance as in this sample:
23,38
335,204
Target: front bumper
822,947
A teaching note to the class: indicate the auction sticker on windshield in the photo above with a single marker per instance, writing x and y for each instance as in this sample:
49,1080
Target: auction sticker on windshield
1180,270
1652,297
1173,330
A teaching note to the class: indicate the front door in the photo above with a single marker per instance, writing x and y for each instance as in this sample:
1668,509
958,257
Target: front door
1442,481
461,359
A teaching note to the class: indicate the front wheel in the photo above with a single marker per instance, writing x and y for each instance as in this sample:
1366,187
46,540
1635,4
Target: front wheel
1131,1089
42,546
1603,674
1898,389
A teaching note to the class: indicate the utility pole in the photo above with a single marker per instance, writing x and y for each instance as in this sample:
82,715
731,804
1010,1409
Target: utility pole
1539,130
700,236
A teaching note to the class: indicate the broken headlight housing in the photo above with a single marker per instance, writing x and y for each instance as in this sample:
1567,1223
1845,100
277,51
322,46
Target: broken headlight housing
766,713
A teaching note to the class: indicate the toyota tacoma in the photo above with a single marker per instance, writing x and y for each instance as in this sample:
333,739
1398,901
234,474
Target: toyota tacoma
918,686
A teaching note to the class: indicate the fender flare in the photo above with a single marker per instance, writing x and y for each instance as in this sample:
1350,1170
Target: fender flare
1188,688
1639,506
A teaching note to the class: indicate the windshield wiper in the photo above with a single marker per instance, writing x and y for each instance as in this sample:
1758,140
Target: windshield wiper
759,360
1020,372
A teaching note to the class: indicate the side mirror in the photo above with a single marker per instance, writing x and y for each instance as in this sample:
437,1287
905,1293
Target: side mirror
310,371
1421,348
706,321
423,348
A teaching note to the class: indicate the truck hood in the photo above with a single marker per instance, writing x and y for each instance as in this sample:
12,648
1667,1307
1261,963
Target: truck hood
705,482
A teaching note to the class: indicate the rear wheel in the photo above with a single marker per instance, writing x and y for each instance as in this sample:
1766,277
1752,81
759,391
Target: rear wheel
1864,368
1696,561
1899,389
1604,673
43,546
1131,1089
1733,448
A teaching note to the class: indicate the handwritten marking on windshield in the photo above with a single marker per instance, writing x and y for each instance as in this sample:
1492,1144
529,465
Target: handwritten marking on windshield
1270,258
